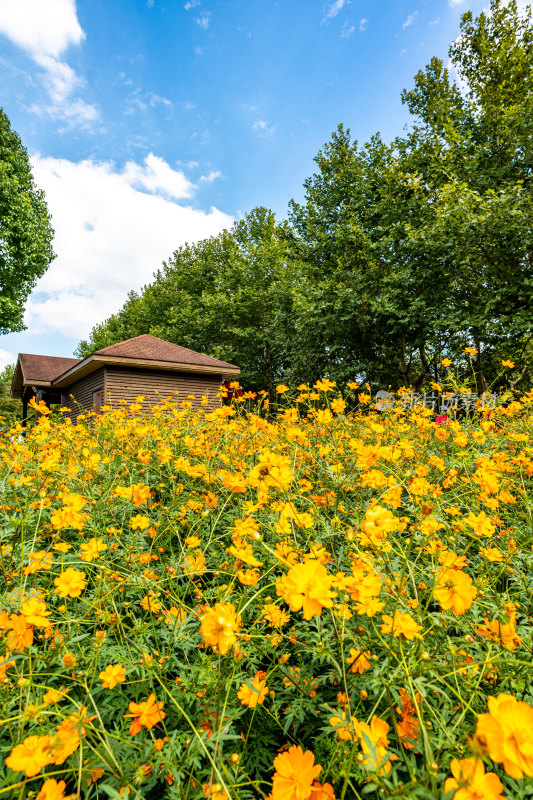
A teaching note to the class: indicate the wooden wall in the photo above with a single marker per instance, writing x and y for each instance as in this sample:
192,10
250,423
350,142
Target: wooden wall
126,383
82,392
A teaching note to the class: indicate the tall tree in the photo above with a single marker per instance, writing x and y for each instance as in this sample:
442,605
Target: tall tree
475,139
229,296
25,230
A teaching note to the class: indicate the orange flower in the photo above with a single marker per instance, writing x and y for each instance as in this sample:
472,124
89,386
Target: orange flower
307,586
402,625
254,692
145,714
454,589
295,772
52,790
471,782
376,526
507,732
92,549
31,755
112,675
359,660
322,791
481,524
408,728
139,522
375,743
70,583
219,627
503,633
20,634
35,612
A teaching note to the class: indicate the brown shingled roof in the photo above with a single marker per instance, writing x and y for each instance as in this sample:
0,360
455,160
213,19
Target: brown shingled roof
43,369
153,349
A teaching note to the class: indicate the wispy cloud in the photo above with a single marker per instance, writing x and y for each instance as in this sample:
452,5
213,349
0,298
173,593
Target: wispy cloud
333,9
45,31
263,128
410,19
434,21
455,2
347,30
203,20
211,176
191,4
362,24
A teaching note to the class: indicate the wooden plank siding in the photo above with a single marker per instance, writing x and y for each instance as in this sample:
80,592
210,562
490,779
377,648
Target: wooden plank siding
82,392
127,383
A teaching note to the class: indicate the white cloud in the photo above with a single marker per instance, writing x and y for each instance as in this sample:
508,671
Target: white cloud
434,21
110,237
158,178
347,30
211,176
191,4
410,19
6,358
333,9
203,20
362,24
45,30
455,2
41,28
263,127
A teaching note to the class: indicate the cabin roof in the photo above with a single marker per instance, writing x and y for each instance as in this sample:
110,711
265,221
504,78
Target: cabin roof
33,370
153,349
140,352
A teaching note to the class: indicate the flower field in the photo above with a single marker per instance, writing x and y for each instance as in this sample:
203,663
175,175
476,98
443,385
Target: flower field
233,605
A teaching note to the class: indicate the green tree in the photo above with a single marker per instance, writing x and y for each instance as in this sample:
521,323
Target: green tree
475,141
229,296
25,230
9,408
415,249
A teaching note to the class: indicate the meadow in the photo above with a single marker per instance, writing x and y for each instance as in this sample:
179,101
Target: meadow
319,602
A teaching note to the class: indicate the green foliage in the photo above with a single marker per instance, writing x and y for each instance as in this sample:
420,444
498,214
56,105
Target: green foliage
25,230
9,408
229,296
399,256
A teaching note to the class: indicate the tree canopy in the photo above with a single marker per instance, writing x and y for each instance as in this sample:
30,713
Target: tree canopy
400,254
25,230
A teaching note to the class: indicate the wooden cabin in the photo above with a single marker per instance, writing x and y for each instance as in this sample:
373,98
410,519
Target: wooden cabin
144,365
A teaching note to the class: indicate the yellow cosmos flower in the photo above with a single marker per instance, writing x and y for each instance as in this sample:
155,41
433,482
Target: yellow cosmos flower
454,590
146,714
52,790
139,522
253,692
507,732
35,612
295,772
358,660
34,753
70,583
92,549
274,615
219,627
112,675
471,782
401,625
308,587
481,524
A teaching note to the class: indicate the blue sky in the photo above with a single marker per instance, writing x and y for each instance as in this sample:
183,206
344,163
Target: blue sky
151,123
